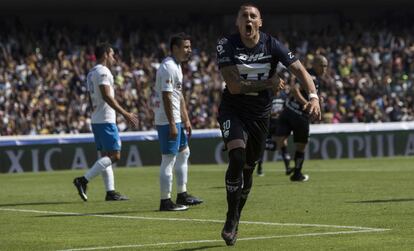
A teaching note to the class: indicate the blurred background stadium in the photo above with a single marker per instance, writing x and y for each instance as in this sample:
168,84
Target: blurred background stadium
46,49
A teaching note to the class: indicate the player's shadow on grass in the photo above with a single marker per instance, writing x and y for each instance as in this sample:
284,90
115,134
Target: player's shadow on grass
37,203
383,201
198,248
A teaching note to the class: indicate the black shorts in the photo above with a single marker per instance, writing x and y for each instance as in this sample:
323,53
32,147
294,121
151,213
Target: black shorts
252,132
291,121
273,126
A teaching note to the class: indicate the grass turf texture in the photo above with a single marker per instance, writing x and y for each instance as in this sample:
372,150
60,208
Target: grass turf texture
372,193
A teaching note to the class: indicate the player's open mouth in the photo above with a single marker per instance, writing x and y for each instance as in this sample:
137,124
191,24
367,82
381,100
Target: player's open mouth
249,29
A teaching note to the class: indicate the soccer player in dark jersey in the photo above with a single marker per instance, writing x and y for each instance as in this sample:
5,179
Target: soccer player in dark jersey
295,118
247,61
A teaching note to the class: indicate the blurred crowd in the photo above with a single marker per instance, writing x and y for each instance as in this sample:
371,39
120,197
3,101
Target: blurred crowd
42,74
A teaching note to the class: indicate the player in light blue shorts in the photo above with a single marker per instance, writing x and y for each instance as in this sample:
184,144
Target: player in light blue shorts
106,137
171,146
169,110
100,84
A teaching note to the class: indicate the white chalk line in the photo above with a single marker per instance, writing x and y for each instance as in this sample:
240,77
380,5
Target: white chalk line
357,229
210,241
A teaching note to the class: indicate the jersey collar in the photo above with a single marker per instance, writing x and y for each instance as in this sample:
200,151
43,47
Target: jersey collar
262,40
175,60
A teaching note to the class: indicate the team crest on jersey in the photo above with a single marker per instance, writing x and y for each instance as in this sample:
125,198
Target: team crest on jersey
220,49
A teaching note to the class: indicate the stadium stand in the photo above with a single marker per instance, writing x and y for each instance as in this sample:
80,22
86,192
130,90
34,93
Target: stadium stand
42,72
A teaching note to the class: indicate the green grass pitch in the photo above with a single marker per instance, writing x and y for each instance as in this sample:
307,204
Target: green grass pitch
360,204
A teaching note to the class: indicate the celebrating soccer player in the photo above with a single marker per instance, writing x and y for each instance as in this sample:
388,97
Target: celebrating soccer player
247,62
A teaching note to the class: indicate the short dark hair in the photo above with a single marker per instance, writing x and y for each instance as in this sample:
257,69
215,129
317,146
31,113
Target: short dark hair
101,49
249,5
178,38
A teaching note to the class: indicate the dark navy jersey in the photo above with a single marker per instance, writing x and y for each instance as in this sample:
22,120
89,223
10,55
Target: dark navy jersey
295,105
257,63
278,104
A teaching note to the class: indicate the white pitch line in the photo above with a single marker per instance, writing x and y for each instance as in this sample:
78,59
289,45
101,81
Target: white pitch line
360,229
209,241
191,220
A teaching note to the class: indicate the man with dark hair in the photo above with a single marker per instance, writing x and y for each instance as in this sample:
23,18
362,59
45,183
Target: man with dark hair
101,49
177,39
247,61
294,118
172,123
100,84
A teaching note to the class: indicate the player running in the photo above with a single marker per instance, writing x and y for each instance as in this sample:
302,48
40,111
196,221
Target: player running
247,61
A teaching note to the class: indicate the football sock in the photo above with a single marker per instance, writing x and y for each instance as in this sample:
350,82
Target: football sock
237,159
299,158
100,165
181,170
285,156
247,185
167,164
108,178
259,164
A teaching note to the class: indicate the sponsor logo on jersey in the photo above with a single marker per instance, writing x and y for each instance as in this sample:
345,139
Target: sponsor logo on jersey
252,57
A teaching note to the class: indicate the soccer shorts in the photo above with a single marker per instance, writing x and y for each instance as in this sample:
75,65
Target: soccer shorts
289,121
273,126
106,137
252,132
171,146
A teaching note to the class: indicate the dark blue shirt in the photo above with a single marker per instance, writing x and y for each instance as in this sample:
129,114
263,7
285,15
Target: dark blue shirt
257,63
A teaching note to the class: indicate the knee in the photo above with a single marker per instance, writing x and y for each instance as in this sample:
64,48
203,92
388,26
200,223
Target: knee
185,152
237,157
114,156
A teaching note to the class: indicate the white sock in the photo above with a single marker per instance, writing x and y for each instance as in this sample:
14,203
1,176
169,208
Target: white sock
166,178
100,165
181,170
108,178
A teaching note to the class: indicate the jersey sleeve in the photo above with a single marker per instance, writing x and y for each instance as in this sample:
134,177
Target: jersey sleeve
103,77
166,79
283,54
225,53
